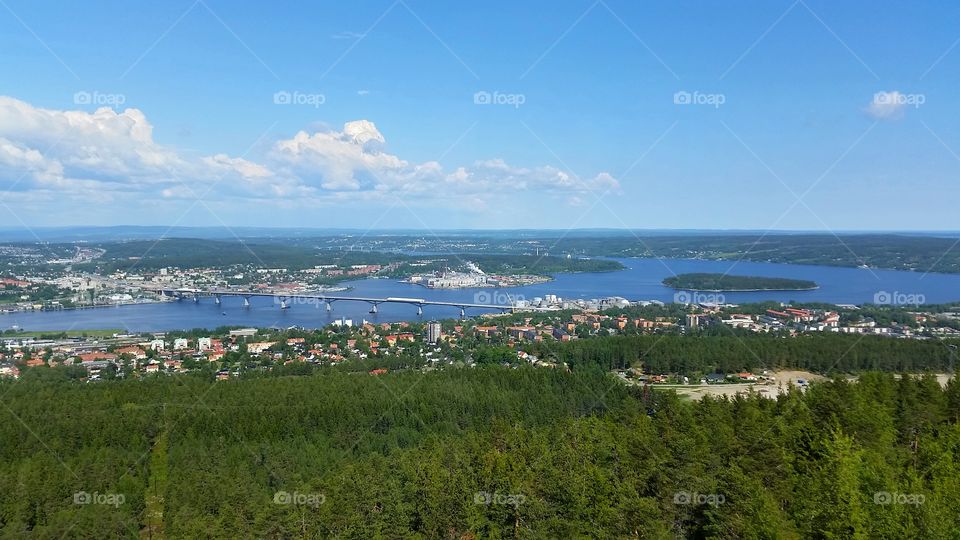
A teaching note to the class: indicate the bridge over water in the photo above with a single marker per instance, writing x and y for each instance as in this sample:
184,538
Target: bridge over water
286,299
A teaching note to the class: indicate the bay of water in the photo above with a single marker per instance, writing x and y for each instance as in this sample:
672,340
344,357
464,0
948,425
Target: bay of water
640,281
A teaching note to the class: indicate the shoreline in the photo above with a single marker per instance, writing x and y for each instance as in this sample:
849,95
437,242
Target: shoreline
825,264
715,282
78,308
740,290
480,286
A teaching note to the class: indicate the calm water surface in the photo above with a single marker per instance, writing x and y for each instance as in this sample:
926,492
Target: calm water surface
640,281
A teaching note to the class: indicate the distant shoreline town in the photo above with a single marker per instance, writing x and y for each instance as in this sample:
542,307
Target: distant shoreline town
107,353
474,279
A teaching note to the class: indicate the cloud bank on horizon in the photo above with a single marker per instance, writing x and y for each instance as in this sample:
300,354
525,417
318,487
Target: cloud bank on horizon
110,156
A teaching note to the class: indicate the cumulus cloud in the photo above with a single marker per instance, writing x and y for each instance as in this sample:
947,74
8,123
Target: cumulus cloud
63,146
243,167
354,159
23,161
75,152
339,160
892,105
107,153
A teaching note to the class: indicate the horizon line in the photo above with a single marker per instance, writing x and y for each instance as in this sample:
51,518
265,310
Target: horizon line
470,229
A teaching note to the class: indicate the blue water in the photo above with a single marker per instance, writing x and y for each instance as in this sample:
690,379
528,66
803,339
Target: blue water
640,281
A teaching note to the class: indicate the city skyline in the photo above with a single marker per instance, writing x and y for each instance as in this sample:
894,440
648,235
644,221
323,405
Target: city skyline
409,115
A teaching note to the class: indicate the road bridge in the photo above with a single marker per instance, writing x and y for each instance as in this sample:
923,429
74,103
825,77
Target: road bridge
286,299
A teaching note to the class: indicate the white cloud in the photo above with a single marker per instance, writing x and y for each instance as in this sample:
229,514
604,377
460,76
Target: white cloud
25,161
226,164
354,160
101,145
108,153
339,160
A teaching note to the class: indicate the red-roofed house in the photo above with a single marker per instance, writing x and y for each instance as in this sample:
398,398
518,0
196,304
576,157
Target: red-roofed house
136,352
10,371
94,356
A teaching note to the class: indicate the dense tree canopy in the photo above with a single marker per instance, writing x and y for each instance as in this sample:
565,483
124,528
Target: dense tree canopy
731,352
482,452
699,281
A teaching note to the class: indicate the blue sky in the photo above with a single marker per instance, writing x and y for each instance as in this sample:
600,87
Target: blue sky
808,114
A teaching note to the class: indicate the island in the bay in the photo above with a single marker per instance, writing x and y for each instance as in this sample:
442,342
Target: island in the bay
702,281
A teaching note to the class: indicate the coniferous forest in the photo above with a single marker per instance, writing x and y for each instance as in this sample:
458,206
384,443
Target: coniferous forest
485,452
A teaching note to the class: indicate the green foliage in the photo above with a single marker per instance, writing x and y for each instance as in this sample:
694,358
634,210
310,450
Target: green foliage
897,251
725,282
726,353
532,264
487,452
297,255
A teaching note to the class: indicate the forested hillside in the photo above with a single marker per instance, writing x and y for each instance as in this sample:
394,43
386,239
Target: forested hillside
692,355
468,453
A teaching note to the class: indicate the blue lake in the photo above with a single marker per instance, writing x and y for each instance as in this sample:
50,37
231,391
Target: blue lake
640,281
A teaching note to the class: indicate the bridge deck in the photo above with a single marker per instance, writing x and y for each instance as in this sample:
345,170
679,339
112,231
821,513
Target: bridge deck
329,298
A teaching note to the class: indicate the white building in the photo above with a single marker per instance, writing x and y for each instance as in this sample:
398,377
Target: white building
434,332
